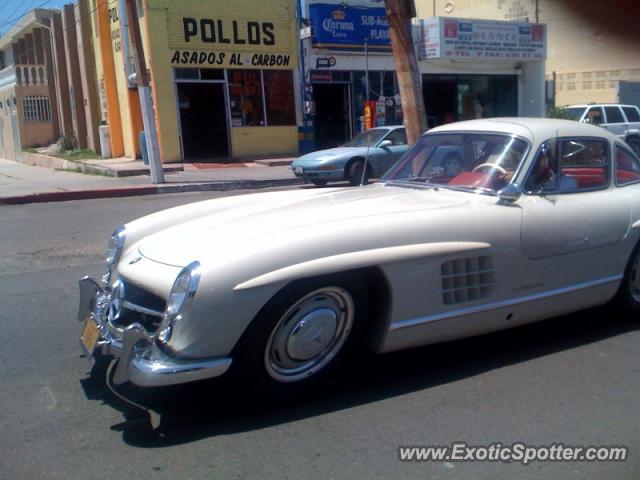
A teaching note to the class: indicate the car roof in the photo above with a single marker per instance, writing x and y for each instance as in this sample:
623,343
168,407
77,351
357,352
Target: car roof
585,105
531,128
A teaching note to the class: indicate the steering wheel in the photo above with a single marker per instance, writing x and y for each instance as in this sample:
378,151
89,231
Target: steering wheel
488,167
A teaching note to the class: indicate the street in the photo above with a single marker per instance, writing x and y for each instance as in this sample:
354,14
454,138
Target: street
570,380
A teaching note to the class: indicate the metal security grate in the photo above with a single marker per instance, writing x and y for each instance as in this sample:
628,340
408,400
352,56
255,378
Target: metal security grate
467,279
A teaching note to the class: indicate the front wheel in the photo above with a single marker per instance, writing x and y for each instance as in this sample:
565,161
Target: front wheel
629,294
302,334
355,174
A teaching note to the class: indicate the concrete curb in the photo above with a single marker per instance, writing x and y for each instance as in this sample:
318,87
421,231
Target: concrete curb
56,163
147,190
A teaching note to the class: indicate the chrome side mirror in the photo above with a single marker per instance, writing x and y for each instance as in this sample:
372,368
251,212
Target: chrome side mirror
510,193
385,144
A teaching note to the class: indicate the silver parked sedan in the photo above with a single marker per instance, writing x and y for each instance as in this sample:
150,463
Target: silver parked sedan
378,148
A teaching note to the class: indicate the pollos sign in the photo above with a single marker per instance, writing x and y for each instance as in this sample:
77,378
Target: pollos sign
235,32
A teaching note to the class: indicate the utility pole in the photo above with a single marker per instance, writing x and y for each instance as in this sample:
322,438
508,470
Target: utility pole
399,14
144,91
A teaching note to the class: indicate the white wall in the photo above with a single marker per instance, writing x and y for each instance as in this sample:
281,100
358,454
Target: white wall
531,90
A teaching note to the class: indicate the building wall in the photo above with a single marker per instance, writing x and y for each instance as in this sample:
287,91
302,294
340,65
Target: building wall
76,95
250,141
592,45
32,134
66,120
88,78
164,37
97,58
129,102
108,83
7,144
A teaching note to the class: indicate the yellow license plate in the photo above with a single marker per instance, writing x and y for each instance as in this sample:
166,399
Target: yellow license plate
90,336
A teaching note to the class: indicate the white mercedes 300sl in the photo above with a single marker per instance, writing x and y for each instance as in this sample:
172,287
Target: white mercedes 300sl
542,218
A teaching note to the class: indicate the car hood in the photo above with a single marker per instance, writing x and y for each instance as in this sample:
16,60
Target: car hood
248,223
330,154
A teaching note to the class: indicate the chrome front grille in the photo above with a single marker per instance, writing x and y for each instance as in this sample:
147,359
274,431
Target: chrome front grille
137,305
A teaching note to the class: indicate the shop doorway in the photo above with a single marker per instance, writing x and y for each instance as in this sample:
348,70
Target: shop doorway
449,98
332,115
203,121
440,99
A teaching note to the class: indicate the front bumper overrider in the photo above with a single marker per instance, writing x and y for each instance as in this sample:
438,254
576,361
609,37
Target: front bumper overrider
140,360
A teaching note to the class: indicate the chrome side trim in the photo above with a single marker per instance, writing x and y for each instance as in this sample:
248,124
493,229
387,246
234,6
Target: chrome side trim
359,259
140,309
503,303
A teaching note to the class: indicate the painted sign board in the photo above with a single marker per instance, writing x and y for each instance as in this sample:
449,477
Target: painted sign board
341,27
486,40
231,35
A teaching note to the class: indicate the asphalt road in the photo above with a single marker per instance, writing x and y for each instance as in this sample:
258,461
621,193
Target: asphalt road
572,380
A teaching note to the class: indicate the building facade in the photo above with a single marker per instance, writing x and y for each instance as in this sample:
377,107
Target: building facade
594,47
475,68
346,39
46,90
29,114
344,42
222,77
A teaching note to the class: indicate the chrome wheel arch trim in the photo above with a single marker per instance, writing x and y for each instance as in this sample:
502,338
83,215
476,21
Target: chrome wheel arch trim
413,322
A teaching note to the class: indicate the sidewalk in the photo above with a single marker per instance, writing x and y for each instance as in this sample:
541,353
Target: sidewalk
22,183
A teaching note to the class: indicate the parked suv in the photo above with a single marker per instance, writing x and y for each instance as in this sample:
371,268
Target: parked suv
621,120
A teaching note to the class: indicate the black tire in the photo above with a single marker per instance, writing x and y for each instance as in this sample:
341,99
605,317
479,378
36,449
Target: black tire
634,143
628,296
319,183
263,367
355,173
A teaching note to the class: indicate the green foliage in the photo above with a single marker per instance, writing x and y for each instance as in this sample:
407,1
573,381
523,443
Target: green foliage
67,143
78,155
559,112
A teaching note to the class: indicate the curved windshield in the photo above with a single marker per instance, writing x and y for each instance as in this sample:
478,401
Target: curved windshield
481,162
368,138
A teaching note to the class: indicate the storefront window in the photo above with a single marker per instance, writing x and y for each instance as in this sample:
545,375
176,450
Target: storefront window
278,91
464,97
383,89
245,95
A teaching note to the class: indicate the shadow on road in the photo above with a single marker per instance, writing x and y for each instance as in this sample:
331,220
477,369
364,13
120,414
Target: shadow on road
217,407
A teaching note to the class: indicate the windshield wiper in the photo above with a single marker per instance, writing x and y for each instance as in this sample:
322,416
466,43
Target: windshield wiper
422,181
465,188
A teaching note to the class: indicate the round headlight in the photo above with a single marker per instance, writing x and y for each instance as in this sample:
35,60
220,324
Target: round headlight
115,245
183,290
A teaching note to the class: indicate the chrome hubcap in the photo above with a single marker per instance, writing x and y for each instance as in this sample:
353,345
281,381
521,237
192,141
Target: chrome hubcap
310,333
634,283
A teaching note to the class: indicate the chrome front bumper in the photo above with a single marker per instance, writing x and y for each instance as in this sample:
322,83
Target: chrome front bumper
140,360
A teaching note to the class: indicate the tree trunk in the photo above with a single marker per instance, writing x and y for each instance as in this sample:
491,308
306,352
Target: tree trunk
404,55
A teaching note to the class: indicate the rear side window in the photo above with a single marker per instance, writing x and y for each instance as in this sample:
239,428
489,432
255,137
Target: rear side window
627,167
583,164
632,114
572,165
614,115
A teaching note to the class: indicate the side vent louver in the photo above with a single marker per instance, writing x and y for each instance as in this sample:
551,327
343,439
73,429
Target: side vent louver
467,279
